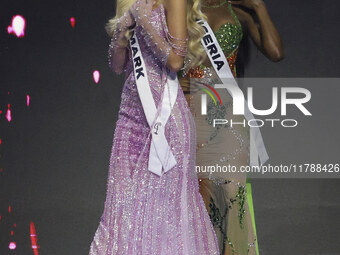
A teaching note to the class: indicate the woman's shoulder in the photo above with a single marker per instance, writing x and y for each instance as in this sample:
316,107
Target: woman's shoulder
244,17
170,5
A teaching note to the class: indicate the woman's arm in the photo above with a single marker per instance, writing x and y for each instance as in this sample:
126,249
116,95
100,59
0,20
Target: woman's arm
264,33
177,26
171,50
118,46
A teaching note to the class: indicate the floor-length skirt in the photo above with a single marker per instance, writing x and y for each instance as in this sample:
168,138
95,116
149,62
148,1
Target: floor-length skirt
227,194
144,213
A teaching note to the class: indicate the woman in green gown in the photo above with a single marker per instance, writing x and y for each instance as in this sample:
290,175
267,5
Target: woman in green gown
229,198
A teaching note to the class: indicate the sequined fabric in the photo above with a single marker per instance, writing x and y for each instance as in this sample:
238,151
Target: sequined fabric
225,195
229,37
145,214
202,70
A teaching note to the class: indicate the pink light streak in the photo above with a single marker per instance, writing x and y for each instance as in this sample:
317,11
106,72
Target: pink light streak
73,22
12,245
9,113
34,240
96,76
28,100
18,26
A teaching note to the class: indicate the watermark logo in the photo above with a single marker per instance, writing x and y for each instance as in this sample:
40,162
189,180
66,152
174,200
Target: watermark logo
204,87
239,99
279,100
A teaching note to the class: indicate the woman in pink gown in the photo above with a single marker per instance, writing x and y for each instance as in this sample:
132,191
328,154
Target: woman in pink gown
145,213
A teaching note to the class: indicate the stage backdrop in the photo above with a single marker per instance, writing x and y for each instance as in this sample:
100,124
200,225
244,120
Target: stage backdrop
55,149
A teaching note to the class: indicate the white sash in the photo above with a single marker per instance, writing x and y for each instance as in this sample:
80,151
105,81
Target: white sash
160,152
222,68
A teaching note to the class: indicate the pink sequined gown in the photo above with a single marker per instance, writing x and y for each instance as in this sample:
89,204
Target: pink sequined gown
145,214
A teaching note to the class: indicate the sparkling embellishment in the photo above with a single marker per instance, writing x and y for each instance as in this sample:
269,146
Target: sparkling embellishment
230,35
241,197
225,197
145,213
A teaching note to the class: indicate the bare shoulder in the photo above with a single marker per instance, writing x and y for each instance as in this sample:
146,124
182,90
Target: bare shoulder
175,5
244,17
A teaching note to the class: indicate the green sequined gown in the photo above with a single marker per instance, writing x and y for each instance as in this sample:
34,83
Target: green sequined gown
227,197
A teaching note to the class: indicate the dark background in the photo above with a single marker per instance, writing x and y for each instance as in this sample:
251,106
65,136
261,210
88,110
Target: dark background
55,153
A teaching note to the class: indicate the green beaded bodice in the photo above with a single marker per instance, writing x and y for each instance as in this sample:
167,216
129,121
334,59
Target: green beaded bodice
229,35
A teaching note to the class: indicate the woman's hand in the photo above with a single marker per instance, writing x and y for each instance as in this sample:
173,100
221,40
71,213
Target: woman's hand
250,4
131,21
263,31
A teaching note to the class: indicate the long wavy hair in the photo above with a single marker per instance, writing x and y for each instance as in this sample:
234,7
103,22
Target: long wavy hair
196,52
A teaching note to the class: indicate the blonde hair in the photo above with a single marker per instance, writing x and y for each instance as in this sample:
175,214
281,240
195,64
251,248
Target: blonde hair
196,53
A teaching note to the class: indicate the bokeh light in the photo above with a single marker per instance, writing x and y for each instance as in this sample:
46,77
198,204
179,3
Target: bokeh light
18,26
